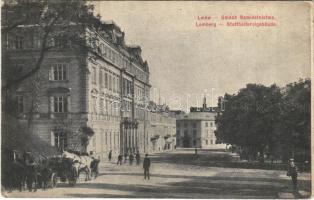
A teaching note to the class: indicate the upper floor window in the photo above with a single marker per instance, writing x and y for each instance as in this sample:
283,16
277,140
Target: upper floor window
59,104
58,72
101,78
106,80
118,84
94,75
101,106
114,84
110,82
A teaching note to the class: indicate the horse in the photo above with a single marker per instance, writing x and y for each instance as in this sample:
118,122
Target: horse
80,163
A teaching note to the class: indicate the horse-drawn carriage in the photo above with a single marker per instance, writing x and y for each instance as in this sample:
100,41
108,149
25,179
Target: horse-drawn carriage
20,169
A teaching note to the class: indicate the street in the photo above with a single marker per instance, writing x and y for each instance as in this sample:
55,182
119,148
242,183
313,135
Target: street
177,174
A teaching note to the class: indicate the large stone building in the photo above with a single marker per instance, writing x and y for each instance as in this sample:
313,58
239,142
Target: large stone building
104,87
196,129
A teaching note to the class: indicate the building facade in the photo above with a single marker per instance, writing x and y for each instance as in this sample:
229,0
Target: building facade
196,129
162,131
104,87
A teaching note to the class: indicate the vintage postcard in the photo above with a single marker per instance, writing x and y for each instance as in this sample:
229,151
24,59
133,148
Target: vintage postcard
156,99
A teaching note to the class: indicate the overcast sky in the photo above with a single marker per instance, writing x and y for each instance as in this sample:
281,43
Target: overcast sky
187,61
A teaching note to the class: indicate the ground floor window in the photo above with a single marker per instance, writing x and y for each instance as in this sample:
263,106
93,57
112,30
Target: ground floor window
59,140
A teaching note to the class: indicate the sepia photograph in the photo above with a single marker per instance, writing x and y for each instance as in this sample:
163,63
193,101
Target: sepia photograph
156,99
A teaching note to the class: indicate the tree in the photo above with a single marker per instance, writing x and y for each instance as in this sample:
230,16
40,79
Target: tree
52,19
86,136
52,24
249,118
268,120
295,123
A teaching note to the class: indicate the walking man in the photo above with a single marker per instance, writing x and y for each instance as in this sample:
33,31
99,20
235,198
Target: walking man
146,166
109,156
119,159
293,173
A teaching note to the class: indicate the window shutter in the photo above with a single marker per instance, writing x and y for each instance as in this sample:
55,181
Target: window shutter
52,138
51,104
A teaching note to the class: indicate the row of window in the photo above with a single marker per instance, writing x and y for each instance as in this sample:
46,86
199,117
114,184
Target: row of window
106,79
110,140
33,41
105,141
116,58
109,107
140,94
60,104
111,81
105,107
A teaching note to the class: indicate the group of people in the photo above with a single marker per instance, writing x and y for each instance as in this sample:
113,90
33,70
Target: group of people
22,170
146,161
126,156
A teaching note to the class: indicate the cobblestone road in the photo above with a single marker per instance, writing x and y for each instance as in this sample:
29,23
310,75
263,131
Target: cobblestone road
174,178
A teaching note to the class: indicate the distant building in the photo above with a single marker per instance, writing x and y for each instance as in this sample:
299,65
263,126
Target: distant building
196,129
162,128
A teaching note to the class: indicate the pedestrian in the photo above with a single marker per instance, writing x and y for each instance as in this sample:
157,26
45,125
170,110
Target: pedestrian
293,173
131,158
138,158
119,159
146,166
109,156
195,151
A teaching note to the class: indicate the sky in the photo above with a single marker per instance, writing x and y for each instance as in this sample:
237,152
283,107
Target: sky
189,62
